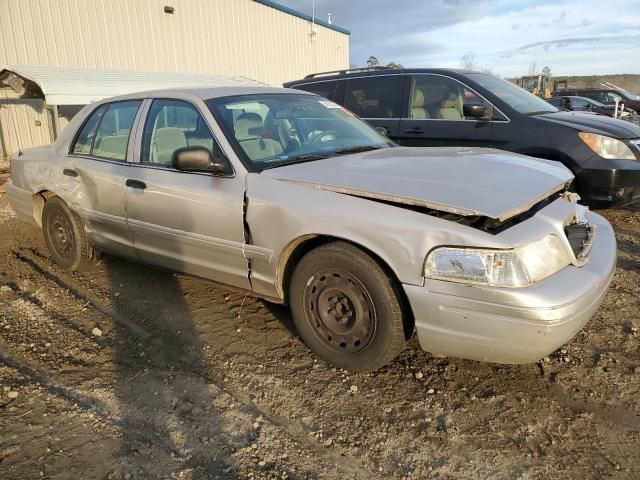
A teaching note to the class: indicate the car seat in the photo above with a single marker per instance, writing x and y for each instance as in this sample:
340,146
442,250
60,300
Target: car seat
451,108
417,105
248,131
167,140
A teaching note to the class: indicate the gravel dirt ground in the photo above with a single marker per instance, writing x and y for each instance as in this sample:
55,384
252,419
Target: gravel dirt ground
128,372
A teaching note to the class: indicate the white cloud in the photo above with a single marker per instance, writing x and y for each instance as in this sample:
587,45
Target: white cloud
572,37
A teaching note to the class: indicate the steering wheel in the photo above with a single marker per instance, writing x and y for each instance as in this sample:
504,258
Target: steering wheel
323,136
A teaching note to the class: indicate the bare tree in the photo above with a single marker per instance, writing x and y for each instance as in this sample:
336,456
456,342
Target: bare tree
533,68
469,61
546,71
394,65
373,62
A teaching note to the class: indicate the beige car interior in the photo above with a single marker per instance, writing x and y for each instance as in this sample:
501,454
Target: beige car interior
166,140
111,146
249,128
417,104
437,101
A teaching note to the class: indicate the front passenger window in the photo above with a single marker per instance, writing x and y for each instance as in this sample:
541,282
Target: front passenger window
171,125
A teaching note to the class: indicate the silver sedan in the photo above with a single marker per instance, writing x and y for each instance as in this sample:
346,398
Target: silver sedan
286,195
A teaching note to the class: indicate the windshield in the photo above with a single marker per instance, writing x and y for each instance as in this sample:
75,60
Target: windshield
631,95
514,96
271,130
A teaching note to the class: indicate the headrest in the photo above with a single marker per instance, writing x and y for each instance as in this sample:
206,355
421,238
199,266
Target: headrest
418,99
249,125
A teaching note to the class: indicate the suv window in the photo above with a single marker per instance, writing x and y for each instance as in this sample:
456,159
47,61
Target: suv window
598,96
324,89
375,97
612,97
556,102
579,103
112,136
174,124
441,98
84,140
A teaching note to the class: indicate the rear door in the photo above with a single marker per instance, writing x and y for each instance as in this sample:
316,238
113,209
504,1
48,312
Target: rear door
96,168
434,114
376,99
185,221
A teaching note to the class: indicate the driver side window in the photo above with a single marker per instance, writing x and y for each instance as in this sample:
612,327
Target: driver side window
171,125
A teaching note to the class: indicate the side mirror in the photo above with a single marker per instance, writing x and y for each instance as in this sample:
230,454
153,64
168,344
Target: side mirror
199,159
382,131
476,111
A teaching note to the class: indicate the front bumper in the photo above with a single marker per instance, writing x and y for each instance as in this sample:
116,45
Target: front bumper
514,325
609,187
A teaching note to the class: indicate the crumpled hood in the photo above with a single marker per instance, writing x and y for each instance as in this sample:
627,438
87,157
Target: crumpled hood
600,124
464,181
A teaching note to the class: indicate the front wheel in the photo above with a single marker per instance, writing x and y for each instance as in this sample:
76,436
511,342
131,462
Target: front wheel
64,236
346,308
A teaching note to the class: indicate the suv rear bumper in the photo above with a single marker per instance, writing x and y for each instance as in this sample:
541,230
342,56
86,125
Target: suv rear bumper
517,325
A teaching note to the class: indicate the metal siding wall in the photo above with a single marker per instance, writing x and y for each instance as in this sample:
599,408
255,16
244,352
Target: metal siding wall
237,37
18,125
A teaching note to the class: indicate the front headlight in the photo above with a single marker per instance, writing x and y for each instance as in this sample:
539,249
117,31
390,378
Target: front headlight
517,267
607,147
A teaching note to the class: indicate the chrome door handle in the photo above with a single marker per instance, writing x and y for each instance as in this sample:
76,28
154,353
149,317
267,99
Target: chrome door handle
135,184
414,131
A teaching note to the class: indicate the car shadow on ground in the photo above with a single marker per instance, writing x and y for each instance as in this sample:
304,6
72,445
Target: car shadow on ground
167,399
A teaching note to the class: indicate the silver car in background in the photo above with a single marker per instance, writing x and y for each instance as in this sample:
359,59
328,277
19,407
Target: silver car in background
287,195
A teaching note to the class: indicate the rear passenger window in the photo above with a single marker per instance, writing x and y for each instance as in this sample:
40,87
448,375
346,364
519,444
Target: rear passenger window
324,89
112,136
84,140
375,97
174,124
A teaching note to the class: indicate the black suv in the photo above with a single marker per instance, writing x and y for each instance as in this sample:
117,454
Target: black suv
442,107
608,96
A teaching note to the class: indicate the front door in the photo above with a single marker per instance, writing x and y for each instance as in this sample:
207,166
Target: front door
95,171
190,222
435,114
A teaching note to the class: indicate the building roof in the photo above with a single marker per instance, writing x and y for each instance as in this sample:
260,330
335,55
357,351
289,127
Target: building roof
71,86
304,16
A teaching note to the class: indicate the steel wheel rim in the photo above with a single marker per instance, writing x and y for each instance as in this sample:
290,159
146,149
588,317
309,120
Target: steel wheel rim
60,235
340,311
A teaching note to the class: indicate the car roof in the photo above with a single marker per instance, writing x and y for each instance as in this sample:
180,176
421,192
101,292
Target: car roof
192,93
378,71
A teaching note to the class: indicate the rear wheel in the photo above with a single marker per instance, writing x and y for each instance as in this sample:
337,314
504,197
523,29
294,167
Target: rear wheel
346,308
64,236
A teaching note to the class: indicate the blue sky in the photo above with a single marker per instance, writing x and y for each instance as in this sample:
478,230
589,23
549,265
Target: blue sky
572,37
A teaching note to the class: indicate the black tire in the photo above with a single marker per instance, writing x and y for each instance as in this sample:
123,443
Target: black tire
65,237
346,308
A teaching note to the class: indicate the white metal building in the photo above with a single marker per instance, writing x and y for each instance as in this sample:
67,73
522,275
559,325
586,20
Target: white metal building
256,39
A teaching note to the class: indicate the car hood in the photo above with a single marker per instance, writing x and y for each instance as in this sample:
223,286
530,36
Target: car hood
484,182
601,125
